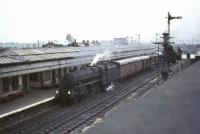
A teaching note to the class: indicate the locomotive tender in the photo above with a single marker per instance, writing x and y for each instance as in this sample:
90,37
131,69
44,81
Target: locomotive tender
94,79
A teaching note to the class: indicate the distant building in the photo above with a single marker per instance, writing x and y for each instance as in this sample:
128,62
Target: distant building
51,44
120,41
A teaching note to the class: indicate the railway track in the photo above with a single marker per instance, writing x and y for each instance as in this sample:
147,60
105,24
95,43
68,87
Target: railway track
58,119
58,125
21,115
79,119
100,108
41,122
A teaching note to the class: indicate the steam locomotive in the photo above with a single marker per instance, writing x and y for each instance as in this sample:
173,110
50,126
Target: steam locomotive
95,79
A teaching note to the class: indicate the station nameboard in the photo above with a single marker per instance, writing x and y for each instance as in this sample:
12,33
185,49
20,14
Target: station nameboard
192,56
184,56
188,56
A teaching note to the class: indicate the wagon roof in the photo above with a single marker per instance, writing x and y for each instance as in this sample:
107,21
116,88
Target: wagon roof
134,59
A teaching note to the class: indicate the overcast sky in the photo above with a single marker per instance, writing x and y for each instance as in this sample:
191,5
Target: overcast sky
32,20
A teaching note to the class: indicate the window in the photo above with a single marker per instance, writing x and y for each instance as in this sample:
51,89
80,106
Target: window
5,85
34,77
15,82
47,75
59,73
72,69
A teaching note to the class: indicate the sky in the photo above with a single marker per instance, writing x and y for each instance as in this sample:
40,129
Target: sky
32,20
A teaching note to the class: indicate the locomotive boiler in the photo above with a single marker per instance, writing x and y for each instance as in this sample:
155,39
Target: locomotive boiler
87,82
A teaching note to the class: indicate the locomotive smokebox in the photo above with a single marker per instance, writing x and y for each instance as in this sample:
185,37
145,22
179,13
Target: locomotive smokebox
68,81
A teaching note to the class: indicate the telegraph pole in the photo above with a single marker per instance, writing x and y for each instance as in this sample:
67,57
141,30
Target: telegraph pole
166,55
38,43
138,38
165,68
166,45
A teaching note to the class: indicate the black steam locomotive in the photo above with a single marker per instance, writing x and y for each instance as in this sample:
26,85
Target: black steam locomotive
94,79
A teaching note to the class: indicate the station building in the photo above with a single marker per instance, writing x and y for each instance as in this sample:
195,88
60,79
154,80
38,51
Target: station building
22,70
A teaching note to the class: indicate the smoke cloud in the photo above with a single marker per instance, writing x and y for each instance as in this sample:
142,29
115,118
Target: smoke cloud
106,55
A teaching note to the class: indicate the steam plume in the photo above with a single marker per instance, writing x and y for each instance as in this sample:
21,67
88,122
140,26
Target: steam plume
101,56
111,87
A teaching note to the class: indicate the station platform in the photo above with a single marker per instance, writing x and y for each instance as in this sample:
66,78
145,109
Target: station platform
171,108
34,97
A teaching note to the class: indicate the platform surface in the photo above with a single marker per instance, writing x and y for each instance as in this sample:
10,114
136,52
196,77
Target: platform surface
34,96
172,108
